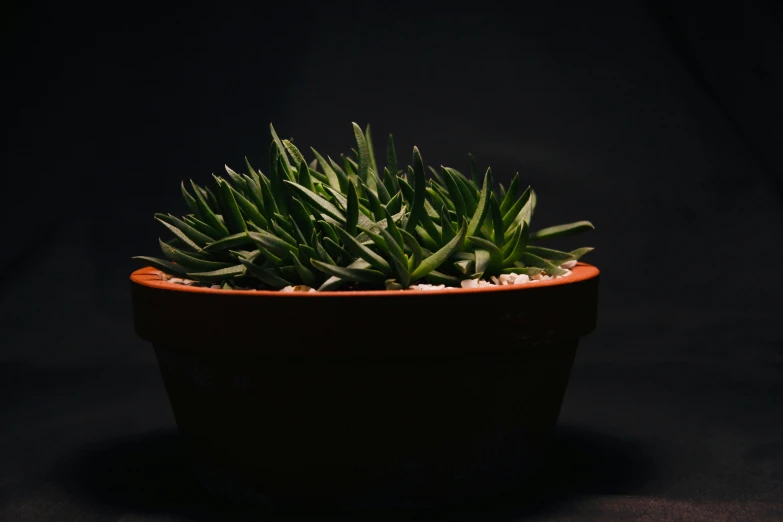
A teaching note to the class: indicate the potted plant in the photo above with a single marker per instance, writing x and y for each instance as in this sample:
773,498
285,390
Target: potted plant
343,334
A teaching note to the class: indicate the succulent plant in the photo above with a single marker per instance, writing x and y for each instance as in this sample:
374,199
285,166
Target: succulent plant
328,224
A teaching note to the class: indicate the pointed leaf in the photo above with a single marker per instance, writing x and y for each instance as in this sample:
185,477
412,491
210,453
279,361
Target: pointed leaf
482,261
410,241
334,283
497,221
274,244
229,242
419,192
561,230
180,234
331,175
164,266
207,214
305,274
439,257
511,193
514,214
358,275
359,250
281,151
483,205
267,275
439,278
236,179
364,154
189,200
253,174
318,202
188,261
231,213
455,195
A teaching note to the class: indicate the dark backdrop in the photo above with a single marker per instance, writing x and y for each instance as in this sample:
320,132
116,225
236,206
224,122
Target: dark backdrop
659,122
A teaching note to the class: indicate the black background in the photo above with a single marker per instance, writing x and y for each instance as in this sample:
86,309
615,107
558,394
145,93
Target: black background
659,122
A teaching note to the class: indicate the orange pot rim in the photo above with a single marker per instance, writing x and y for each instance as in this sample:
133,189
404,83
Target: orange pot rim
149,277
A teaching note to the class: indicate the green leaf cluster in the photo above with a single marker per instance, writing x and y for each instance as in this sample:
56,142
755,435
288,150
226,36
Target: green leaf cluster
352,223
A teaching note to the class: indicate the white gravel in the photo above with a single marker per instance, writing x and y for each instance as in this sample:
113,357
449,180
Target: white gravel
502,280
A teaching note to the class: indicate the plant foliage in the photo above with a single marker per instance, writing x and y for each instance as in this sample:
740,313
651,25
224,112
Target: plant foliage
349,223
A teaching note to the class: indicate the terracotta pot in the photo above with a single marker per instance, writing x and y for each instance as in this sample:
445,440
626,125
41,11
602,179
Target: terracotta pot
366,398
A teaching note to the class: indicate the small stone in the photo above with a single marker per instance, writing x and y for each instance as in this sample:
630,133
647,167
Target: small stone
312,290
504,279
215,287
287,289
176,280
568,264
522,279
495,280
301,288
469,283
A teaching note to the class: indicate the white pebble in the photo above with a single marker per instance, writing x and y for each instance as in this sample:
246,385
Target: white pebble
494,280
312,290
469,283
568,264
215,287
521,279
175,280
546,278
287,289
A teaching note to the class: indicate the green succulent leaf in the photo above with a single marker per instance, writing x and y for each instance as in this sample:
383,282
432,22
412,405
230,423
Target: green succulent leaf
482,207
206,212
495,254
185,238
391,163
189,200
508,198
370,149
438,258
455,195
231,272
561,230
281,154
334,282
274,244
439,278
419,192
268,276
305,273
321,204
331,175
229,242
359,250
514,213
252,172
357,275
231,213
579,252
188,260
363,166
238,180
416,252
164,266
497,221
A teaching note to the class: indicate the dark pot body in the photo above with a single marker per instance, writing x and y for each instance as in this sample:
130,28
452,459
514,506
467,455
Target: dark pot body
366,400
